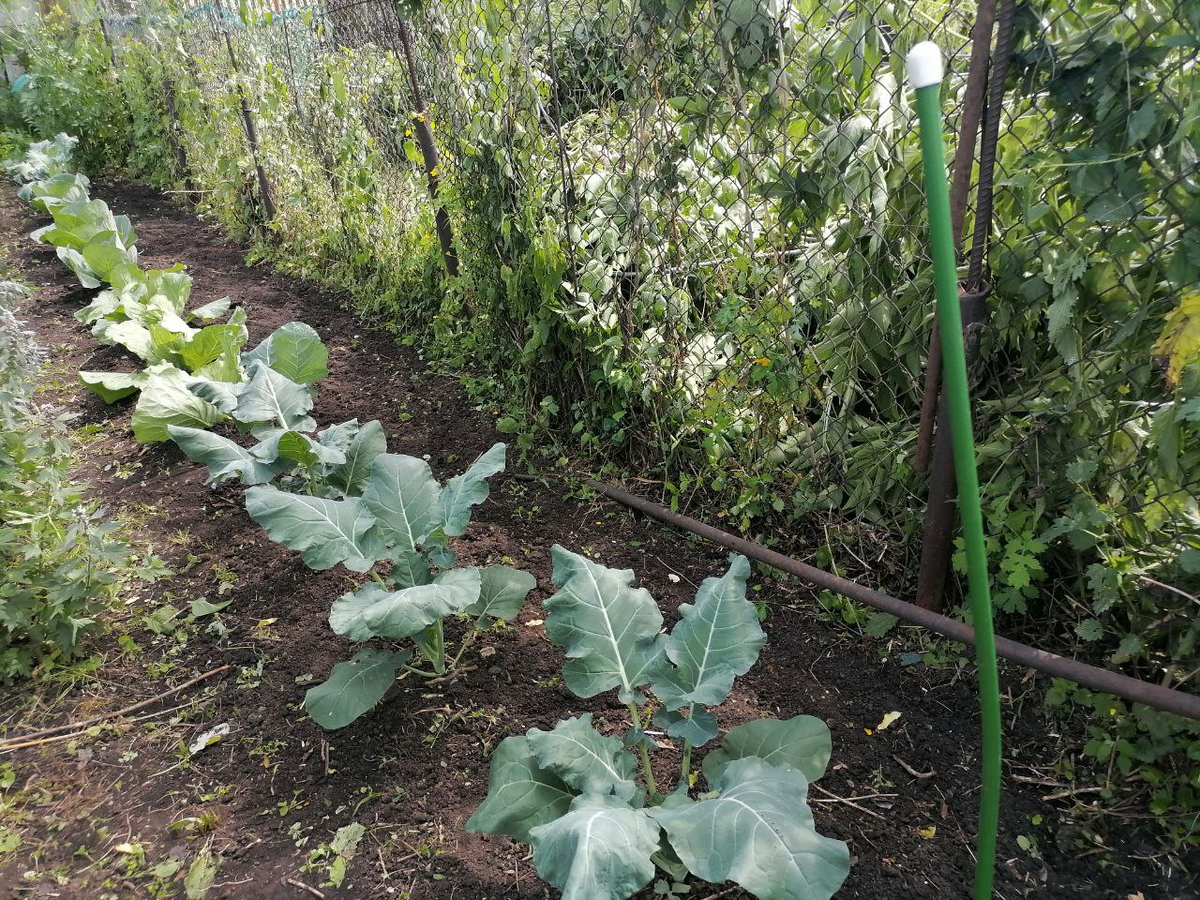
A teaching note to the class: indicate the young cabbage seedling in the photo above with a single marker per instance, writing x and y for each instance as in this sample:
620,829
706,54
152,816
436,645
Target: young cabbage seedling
574,795
395,526
271,400
144,312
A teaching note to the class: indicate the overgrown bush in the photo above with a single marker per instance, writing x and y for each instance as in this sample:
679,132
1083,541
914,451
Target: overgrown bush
59,559
70,85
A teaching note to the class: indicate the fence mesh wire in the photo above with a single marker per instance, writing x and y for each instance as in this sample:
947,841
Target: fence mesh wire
696,230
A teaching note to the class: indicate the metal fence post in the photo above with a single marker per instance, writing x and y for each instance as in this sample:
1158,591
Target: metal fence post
937,528
964,162
424,133
173,132
264,186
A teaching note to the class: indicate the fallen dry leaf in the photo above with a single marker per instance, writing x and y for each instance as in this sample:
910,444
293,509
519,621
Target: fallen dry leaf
887,721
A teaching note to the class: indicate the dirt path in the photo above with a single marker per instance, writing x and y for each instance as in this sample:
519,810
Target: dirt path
95,813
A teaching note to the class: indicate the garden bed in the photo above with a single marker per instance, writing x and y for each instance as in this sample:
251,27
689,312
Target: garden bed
94,814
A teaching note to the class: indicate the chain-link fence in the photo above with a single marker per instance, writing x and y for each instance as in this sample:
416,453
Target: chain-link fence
688,235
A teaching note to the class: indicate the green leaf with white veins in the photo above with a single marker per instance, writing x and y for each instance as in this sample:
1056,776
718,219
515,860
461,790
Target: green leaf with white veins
326,532
759,833
608,628
224,368
697,729
107,250
65,187
353,687
409,568
93,262
469,489
74,261
212,343
212,310
714,641
171,287
76,223
502,593
403,495
521,794
103,304
294,351
308,452
157,310
224,458
165,341
112,386
133,336
125,232
366,445
297,448
802,742
271,400
600,850
372,611
585,759
221,394
340,435
165,400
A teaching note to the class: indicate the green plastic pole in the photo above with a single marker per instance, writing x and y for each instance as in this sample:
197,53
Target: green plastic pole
925,74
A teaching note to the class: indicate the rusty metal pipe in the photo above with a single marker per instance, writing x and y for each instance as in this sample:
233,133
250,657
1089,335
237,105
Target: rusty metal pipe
960,188
1088,676
937,529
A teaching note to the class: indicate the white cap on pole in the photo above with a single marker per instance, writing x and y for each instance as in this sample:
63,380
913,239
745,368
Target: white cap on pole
925,65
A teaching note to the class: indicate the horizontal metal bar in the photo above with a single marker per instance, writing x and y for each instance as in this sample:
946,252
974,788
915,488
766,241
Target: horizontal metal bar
1088,676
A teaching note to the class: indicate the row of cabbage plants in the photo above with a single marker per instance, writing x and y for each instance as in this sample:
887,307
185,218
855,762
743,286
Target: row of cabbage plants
60,561
598,826
611,299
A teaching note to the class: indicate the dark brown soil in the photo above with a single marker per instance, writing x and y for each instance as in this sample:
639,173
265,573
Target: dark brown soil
94,812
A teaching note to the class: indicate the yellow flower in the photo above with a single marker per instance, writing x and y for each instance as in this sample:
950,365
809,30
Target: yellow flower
763,361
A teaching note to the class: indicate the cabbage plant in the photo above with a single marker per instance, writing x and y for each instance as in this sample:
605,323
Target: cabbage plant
48,194
90,239
196,382
144,312
598,832
394,521
333,463
42,160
